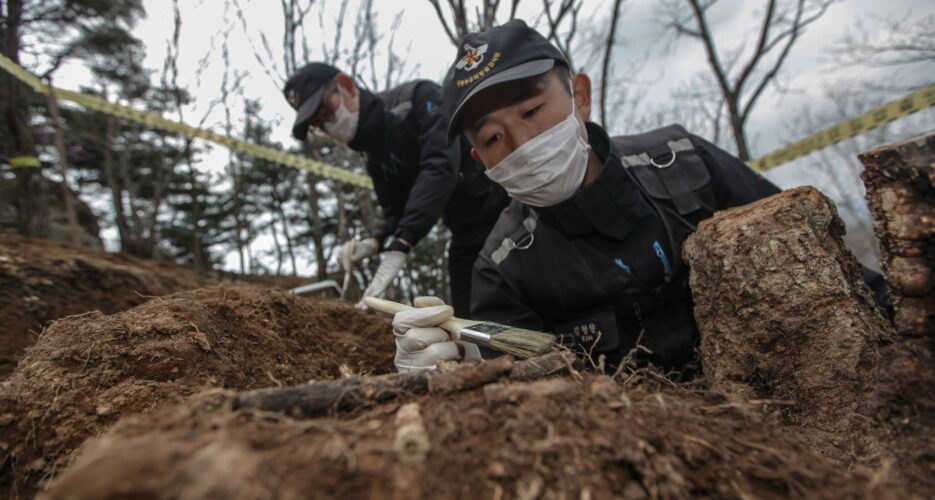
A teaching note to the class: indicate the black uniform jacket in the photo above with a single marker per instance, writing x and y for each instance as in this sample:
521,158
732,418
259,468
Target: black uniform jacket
416,176
603,269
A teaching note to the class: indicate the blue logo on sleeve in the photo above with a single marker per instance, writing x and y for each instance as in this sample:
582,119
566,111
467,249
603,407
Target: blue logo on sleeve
665,261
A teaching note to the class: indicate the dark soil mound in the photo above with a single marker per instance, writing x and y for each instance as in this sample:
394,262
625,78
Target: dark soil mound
42,280
86,371
551,438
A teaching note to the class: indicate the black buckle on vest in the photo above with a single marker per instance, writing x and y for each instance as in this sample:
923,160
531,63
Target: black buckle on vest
660,157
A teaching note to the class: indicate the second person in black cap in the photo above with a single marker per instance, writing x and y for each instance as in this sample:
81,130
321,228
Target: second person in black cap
417,176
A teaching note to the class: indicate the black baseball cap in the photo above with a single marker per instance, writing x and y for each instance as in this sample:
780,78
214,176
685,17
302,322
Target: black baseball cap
303,91
508,52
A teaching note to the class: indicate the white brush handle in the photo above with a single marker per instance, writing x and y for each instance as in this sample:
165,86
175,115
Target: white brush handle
452,326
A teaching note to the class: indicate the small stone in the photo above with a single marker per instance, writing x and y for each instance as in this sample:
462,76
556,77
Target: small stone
496,470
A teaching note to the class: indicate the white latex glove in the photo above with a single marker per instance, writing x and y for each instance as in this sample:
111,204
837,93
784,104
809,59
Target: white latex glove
352,252
421,344
391,262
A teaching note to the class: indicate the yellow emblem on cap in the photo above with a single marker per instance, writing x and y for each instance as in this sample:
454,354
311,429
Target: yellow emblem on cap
290,96
480,74
472,57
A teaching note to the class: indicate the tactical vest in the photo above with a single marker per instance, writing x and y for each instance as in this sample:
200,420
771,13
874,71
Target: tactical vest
673,180
397,105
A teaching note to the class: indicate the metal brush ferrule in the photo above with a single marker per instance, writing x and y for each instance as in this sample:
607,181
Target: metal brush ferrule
474,336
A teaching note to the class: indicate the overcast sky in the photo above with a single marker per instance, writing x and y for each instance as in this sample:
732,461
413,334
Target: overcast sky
648,62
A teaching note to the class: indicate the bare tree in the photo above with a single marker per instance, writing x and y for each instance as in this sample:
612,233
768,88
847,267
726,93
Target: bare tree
294,13
742,82
699,108
62,163
565,10
458,22
605,67
48,31
181,97
835,169
231,86
333,53
560,21
894,42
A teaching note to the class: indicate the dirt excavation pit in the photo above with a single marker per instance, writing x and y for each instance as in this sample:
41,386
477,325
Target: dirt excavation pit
87,371
806,392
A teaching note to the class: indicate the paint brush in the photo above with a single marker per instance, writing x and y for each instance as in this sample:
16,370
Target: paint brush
518,342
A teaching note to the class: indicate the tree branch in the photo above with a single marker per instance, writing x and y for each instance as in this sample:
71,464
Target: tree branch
441,18
797,28
605,69
761,43
711,51
341,395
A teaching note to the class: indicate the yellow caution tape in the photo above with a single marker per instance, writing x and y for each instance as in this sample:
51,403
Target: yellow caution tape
267,153
24,162
899,108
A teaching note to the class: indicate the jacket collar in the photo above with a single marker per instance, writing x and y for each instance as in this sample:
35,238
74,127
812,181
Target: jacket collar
599,205
371,125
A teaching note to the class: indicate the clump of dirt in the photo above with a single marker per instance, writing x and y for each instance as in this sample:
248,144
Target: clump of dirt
86,371
563,437
42,280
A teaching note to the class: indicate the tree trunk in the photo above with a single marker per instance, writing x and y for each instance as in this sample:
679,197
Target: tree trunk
238,222
318,232
736,127
162,176
272,226
116,191
196,209
605,67
900,181
63,170
285,234
16,137
368,211
784,314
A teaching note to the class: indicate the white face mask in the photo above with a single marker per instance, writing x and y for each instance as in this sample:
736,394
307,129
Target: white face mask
342,127
547,169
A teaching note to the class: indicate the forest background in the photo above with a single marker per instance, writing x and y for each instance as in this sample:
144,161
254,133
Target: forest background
751,76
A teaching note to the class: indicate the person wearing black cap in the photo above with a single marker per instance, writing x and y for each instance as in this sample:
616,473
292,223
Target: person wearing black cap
590,247
417,176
